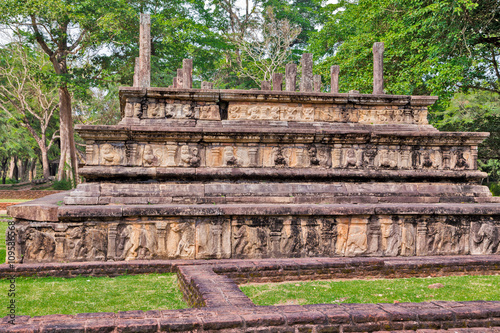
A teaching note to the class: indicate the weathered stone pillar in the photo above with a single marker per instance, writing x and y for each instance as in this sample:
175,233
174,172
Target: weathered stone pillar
252,156
180,78
136,72
422,237
317,83
378,68
265,85
112,235
207,85
187,78
291,77
306,84
174,82
161,229
171,150
60,237
334,75
145,52
277,82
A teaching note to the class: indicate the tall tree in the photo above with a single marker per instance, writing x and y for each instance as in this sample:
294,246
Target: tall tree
26,97
66,31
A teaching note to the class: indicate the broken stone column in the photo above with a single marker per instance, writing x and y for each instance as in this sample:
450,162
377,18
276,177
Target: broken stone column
334,74
265,85
145,51
136,72
180,78
277,82
317,83
207,85
378,68
290,77
306,83
187,67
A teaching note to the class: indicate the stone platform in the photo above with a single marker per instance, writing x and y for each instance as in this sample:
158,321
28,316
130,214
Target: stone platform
199,174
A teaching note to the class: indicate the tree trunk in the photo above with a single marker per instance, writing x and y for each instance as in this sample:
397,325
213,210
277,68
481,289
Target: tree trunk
45,163
22,169
15,171
10,170
68,150
32,174
3,164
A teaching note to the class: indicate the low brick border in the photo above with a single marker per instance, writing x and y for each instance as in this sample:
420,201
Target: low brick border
219,305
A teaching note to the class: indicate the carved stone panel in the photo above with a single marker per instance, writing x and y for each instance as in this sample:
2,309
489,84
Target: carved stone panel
213,238
485,237
445,238
391,236
208,112
291,243
37,245
181,238
136,241
88,243
311,237
152,155
111,154
249,238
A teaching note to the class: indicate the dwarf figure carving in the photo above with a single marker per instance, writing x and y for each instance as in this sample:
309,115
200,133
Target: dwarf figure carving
149,157
190,156
313,158
461,162
109,155
228,157
351,159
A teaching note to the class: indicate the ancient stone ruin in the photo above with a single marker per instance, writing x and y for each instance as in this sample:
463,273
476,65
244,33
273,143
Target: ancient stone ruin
271,173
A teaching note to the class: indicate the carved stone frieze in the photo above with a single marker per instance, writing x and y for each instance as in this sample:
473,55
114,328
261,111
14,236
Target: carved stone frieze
340,156
327,113
258,237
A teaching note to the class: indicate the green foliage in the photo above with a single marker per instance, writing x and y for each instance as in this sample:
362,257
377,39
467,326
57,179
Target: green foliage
456,288
62,185
476,112
45,296
432,47
495,189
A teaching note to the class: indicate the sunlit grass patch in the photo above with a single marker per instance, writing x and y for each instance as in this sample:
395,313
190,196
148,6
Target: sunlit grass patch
455,288
44,296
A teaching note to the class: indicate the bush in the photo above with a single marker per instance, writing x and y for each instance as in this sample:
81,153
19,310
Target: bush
63,184
11,181
495,189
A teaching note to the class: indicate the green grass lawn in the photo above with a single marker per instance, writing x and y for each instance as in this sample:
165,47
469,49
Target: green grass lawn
44,296
14,200
456,288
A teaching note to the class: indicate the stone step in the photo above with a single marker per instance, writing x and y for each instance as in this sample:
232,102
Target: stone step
107,173
275,189
323,199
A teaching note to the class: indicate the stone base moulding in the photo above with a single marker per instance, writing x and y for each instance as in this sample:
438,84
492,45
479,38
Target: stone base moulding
204,231
219,305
